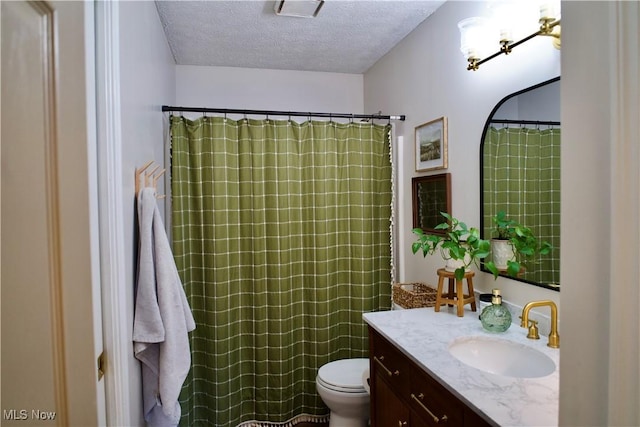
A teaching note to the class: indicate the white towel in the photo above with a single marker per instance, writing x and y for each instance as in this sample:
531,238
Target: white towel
162,319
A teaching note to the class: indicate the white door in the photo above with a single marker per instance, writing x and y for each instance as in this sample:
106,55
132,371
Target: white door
51,331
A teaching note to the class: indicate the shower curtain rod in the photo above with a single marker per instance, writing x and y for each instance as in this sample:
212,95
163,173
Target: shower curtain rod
525,122
282,113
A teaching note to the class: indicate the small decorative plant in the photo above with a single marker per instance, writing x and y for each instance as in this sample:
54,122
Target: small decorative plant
459,242
525,244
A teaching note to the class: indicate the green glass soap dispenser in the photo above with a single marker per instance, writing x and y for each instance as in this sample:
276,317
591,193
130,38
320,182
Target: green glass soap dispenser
496,317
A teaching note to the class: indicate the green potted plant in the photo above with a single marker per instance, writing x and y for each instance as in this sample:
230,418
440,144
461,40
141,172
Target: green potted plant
459,244
502,249
514,245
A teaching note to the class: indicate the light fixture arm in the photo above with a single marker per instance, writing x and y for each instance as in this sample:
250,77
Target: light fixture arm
548,27
551,28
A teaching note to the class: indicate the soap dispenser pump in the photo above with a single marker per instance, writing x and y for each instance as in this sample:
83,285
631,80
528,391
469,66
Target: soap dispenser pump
496,317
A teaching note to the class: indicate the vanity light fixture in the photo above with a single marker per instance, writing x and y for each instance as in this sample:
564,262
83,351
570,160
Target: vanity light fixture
298,8
478,34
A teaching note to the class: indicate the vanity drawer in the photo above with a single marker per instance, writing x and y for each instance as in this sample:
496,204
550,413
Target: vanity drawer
389,363
432,403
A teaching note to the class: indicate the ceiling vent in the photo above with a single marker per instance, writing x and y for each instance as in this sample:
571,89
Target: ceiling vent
298,8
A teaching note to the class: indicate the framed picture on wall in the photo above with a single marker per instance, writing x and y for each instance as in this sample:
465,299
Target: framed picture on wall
431,195
431,145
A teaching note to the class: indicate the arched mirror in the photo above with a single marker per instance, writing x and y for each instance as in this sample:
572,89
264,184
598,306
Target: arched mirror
520,181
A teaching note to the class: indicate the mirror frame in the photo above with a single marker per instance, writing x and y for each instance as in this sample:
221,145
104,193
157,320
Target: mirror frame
444,204
481,183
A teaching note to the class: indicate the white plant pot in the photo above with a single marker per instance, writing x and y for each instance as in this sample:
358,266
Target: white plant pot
454,264
501,252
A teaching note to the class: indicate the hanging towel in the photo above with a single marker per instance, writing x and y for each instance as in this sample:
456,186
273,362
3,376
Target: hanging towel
162,319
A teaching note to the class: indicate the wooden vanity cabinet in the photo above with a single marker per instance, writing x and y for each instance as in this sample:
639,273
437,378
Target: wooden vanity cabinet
432,403
391,411
404,395
389,377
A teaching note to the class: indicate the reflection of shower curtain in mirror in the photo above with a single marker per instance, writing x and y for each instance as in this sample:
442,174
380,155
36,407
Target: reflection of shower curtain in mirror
281,234
522,177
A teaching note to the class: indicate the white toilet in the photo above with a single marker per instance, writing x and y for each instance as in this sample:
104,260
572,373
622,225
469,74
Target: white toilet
340,385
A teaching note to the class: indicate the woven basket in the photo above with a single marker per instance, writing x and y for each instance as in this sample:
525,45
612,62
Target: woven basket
414,295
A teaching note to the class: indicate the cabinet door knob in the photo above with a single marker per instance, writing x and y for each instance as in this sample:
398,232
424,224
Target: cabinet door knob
402,423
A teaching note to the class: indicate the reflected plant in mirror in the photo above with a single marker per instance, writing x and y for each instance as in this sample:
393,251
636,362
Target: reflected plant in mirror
514,247
520,183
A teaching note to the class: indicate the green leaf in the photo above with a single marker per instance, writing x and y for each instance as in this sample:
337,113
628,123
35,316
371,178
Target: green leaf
418,231
493,269
447,216
513,268
545,248
482,254
448,244
415,247
522,231
527,251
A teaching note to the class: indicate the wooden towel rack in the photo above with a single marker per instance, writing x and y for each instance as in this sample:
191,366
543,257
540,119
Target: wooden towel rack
149,178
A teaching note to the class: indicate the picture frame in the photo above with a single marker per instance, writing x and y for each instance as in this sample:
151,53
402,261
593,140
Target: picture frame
431,151
431,195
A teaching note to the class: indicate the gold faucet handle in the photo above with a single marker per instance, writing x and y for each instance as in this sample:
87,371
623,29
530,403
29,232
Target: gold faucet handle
533,330
522,325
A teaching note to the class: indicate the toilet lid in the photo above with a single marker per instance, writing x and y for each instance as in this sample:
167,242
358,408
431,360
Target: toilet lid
344,375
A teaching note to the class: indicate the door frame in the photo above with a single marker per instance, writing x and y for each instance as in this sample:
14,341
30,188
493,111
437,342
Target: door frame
115,306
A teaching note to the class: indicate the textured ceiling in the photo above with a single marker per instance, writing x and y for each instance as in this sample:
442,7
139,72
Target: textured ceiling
346,36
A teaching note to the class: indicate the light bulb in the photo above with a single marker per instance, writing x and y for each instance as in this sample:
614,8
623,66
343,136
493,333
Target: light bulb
549,10
476,37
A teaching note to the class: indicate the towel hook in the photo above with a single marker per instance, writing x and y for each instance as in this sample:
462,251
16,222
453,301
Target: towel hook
138,174
147,175
150,178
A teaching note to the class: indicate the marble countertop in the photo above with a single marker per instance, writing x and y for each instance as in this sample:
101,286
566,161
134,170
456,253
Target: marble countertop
424,336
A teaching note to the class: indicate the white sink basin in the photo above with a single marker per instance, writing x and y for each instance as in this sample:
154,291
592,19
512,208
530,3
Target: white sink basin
502,357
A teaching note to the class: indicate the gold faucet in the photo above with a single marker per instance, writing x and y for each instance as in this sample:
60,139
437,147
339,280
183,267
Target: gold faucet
554,338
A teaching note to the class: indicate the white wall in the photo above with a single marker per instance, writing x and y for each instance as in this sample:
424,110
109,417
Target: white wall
147,76
586,176
541,104
259,89
600,363
425,77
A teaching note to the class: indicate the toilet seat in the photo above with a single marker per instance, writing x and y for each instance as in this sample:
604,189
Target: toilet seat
344,376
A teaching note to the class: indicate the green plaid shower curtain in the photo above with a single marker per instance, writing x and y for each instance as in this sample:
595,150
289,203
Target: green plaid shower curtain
522,177
281,234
